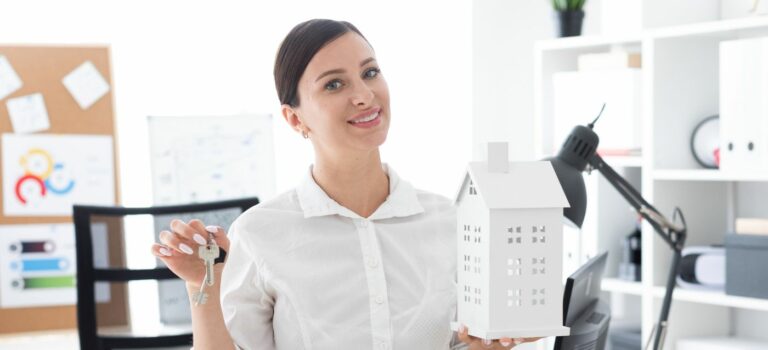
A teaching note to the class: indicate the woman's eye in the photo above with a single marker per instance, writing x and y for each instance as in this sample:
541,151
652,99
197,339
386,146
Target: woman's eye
373,72
333,85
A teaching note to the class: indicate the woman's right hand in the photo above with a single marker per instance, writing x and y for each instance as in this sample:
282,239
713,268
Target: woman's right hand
178,249
475,343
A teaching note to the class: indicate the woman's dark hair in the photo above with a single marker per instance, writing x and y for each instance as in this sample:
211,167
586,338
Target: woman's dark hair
298,48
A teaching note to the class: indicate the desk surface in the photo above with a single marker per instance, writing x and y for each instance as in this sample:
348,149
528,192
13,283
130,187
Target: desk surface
53,340
50,340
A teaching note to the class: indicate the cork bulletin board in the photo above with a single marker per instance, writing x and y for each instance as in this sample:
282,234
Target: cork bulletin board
41,71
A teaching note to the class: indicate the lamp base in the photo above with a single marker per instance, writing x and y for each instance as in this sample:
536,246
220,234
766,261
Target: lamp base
514,333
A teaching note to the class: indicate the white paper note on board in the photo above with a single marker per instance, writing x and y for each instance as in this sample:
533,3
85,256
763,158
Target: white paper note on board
44,175
28,113
9,80
86,84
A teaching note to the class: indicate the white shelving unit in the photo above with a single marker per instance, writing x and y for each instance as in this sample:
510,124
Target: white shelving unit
714,298
679,88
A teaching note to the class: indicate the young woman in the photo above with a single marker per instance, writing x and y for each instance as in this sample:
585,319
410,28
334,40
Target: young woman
352,258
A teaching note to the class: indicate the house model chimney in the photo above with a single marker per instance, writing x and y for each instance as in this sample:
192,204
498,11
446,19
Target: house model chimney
498,157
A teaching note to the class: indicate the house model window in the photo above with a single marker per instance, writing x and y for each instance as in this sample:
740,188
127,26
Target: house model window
510,246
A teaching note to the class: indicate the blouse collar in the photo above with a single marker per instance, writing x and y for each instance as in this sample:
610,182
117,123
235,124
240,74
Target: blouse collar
402,200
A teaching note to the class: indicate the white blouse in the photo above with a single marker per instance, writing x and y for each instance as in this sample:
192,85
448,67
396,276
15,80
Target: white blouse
304,272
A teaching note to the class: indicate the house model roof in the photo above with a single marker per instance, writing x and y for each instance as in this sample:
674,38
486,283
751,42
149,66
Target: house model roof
531,184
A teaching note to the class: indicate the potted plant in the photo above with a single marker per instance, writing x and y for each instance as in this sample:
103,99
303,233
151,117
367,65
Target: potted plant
570,15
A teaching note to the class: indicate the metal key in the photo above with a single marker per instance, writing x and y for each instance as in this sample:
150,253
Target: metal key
208,253
200,297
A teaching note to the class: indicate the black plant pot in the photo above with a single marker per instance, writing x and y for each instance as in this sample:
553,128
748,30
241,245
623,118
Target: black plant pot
570,22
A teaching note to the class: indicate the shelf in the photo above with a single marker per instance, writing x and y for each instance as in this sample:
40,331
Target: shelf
714,298
621,286
582,42
709,28
724,27
706,175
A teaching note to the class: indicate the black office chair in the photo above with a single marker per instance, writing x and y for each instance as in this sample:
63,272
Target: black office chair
88,275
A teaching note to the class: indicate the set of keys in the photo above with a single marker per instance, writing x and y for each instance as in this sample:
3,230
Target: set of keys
209,253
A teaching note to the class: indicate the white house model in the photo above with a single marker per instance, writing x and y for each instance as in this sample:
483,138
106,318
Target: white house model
510,223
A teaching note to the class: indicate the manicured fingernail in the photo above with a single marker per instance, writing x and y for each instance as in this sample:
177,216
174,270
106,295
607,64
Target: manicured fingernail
165,251
505,343
462,328
519,341
212,229
199,239
186,249
487,342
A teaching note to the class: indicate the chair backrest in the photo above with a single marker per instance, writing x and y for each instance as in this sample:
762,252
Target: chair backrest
88,274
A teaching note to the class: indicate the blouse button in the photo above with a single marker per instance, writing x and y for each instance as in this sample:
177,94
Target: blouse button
379,300
373,263
364,223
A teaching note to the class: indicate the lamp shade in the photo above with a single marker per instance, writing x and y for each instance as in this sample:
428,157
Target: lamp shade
569,163
573,186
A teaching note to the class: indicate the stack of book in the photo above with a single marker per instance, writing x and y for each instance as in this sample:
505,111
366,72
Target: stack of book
751,226
746,255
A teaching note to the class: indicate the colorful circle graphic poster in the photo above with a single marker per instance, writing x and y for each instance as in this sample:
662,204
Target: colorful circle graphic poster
44,175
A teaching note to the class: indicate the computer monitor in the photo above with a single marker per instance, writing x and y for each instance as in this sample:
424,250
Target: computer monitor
583,311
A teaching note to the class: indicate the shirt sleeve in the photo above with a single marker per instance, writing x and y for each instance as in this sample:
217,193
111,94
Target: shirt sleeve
246,304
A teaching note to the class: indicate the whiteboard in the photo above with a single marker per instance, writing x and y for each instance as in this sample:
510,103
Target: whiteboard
206,158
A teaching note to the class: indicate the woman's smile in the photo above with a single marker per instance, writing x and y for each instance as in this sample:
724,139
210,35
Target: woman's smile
367,119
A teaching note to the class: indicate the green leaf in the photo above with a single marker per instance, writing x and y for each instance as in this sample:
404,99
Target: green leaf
568,5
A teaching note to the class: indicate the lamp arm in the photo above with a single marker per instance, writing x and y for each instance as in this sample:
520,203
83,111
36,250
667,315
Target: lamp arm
672,234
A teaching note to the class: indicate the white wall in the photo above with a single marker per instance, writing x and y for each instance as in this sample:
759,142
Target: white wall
503,35
193,57
181,57
215,57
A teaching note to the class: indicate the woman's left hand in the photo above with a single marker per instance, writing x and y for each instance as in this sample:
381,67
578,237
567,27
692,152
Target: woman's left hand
481,344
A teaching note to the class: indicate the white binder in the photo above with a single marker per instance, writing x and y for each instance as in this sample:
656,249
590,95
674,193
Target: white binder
743,105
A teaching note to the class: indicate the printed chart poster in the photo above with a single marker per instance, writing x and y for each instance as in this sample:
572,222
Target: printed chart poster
37,264
44,175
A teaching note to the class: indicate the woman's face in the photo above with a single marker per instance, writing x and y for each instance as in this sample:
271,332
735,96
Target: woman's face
343,98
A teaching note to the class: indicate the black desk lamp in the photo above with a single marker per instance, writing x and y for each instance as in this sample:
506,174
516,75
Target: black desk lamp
577,155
